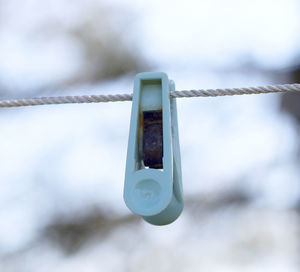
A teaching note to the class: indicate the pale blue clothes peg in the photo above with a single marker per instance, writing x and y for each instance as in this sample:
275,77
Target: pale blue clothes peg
153,186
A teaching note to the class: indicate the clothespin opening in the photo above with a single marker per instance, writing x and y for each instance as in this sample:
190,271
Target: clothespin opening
153,187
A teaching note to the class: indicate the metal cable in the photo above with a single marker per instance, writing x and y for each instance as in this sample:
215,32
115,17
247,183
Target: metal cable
128,97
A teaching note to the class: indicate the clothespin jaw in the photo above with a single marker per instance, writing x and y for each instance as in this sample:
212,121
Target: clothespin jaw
153,186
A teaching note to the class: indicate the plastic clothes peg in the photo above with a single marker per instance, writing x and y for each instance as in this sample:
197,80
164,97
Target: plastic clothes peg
153,187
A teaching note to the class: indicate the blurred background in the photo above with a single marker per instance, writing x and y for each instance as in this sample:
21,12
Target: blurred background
62,167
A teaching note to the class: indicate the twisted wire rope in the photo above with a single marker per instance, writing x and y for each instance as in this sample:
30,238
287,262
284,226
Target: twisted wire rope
282,88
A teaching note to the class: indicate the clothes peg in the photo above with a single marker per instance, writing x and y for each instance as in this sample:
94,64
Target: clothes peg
153,187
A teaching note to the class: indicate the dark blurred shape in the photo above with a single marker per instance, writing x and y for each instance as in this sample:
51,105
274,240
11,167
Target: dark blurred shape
206,204
73,233
290,102
79,230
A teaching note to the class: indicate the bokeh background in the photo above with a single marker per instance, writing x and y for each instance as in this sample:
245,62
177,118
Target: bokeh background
62,167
